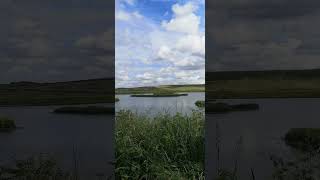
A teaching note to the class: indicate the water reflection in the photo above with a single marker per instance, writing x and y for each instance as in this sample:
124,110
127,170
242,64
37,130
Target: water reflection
251,143
181,104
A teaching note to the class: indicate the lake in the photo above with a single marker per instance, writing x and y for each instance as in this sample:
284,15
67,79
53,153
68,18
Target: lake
91,137
154,105
88,139
260,133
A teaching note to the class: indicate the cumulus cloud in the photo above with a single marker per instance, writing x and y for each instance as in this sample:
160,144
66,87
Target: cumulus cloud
46,46
185,20
262,35
150,54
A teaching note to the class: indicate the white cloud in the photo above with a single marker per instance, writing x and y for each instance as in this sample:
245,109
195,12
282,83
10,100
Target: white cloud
128,2
149,54
127,16
123,16
192,43
185,20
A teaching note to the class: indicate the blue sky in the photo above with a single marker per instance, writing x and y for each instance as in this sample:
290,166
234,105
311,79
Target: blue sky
159,42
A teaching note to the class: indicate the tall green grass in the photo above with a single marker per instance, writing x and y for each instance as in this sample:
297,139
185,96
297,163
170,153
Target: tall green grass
161,147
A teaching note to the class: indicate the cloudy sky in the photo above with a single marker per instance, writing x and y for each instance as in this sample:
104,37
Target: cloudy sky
262,34
56,40
159,42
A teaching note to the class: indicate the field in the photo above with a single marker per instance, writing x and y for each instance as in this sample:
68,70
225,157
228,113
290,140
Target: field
58,93
263,84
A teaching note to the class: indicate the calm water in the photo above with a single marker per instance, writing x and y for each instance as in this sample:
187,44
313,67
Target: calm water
90,137
153,105
261,133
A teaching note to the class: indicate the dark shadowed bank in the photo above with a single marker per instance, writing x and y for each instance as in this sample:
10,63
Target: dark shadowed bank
263,84
59,93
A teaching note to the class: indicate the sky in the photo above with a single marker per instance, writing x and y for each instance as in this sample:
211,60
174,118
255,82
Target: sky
56,40
262,35
159,42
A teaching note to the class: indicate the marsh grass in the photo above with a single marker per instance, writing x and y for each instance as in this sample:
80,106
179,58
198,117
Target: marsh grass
43,167
160,147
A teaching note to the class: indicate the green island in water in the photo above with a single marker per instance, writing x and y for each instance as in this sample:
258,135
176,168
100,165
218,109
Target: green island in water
7,124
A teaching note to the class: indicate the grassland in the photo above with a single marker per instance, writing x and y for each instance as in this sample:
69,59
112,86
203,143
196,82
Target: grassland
161,147
58,93
263,84
162,89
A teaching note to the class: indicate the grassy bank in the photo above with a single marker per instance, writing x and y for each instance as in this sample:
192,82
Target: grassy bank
163,147
162,89
263,84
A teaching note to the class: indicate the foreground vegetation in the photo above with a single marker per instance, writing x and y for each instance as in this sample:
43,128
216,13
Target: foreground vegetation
85,110
42,167
161,147
59,93
167,89
263,84
7,124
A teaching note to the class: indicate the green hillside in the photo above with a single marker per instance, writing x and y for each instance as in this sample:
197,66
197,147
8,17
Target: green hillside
58,93
263,84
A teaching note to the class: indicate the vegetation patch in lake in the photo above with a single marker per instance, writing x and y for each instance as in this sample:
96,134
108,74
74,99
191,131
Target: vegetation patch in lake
116,99
7,124
200,104
161,147
85,110
303,139
224,107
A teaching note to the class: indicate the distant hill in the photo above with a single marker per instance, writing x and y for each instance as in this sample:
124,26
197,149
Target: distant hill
57,93
263,84
268,74
152,89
